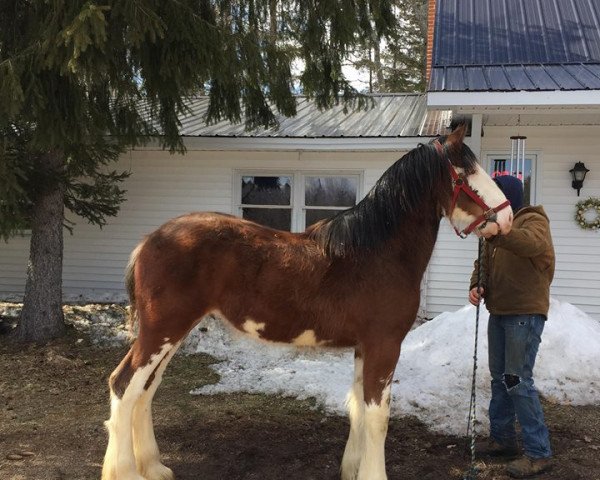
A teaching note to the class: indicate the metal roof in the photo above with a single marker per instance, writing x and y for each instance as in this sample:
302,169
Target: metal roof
392,115
512,45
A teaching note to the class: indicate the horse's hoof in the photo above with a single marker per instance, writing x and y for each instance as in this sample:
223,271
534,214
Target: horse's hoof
349,472
345,475
133,476
158,471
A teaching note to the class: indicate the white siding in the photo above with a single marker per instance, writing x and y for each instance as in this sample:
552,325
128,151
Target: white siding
577,278
163,186
13,266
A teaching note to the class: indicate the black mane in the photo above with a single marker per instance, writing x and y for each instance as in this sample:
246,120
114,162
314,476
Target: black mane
420,173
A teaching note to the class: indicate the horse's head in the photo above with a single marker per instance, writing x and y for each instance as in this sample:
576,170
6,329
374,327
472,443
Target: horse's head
476,204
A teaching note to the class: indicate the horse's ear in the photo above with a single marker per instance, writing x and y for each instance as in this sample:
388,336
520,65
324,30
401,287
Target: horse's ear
457,136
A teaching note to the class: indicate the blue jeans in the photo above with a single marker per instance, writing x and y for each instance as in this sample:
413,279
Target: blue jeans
513,345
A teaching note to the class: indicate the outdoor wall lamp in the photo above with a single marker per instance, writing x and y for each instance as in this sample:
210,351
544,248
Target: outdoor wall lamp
578,173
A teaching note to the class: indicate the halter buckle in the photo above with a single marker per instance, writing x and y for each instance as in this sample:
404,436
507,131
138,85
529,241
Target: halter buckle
491,215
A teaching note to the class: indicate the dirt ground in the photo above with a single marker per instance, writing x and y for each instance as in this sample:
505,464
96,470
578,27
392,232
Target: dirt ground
54,399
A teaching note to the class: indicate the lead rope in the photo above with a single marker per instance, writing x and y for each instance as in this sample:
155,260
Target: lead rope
471,474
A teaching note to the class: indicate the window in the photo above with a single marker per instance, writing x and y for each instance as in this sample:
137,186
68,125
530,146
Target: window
501,165
294,201
267,200
325,196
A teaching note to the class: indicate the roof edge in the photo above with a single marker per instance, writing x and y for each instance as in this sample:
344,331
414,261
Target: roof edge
520,99
295,143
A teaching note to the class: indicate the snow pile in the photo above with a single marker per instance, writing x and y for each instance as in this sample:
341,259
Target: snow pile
433,377
568,367
105,324
256,367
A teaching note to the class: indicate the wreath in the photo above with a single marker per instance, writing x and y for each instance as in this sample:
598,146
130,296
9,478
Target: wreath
582,208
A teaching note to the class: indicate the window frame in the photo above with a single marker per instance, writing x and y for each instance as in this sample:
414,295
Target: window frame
534,156
297,194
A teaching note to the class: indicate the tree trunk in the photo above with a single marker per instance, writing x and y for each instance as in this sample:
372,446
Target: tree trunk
42,316
273,19
377,62
370,73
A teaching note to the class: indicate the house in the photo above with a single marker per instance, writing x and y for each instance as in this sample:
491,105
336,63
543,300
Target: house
522,67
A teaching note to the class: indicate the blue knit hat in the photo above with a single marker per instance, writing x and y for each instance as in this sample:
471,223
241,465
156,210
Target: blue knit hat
512,188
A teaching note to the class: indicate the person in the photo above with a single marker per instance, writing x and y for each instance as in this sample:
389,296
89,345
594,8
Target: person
517,270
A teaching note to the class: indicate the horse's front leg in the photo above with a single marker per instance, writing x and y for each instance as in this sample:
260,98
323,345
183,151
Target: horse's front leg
356,411
380,360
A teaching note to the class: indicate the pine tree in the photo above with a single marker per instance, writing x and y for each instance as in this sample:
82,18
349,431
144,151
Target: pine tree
81,81
397,63
403,59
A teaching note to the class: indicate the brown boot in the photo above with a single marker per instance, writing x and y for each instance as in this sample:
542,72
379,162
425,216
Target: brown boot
488,447
528,467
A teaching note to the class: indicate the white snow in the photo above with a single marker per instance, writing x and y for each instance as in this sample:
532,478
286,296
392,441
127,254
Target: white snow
433,376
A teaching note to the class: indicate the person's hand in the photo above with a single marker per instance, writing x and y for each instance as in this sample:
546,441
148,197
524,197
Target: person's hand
491,231
475,296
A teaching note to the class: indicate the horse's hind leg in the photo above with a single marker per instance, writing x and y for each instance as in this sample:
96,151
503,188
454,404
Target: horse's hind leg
380,360
127,384
356,411
147,456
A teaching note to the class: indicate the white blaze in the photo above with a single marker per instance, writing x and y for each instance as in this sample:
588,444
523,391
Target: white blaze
491,195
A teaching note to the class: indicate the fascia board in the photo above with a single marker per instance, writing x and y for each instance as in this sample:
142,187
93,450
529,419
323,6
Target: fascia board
523,99
296,144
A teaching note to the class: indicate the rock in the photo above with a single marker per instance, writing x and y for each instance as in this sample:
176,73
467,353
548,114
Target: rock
14,456
57,359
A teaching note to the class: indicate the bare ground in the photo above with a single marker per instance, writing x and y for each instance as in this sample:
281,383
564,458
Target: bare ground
54,399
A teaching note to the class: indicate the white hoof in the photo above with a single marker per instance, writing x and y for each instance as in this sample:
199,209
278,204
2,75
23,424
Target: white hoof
362,475
348,473
351,460
130,476
158,471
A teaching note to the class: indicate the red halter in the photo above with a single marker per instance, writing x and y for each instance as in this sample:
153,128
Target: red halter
458,184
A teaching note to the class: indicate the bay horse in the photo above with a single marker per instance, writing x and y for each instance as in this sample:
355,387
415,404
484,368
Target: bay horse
349,281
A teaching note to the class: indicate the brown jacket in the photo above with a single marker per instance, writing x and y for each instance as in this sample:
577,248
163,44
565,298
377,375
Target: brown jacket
519,267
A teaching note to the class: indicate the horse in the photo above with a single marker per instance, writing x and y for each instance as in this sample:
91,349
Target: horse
349,281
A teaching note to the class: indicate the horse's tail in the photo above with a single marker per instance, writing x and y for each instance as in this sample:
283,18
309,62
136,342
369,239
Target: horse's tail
130,285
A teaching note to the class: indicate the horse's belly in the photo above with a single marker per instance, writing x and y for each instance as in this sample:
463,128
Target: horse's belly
286,331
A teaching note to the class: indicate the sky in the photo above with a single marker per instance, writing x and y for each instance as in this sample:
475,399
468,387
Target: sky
434,374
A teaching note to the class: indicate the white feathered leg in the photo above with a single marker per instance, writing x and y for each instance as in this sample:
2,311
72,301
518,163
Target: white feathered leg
372,465
356,408
119,460
147,455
